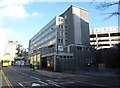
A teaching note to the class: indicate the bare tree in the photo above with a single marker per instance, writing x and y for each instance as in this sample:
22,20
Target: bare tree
107,5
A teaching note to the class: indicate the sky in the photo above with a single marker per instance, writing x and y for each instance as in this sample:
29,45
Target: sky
20,20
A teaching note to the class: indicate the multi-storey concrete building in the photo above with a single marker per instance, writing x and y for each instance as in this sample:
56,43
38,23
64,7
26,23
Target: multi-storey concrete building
104,37
47,35
64,42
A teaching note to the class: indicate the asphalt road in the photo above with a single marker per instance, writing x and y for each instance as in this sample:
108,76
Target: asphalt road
26,78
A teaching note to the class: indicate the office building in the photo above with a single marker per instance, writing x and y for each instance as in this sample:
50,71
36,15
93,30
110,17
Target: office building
104,37
64,43
10,50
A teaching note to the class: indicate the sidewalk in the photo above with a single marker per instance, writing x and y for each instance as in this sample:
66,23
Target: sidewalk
86,79
112,82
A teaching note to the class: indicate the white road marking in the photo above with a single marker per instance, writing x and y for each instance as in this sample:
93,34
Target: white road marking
28,81
24,74
35,78
50,76
54,83
21,85
64,81
43,82
35,84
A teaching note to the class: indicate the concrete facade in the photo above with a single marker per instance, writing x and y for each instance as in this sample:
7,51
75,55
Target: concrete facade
66,43
104,37
10,50
76,26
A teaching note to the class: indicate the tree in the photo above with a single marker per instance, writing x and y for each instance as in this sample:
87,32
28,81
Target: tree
106,5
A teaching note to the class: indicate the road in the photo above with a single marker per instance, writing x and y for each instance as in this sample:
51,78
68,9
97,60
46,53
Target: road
26,78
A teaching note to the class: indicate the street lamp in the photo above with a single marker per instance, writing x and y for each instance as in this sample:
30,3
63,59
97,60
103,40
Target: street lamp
56,48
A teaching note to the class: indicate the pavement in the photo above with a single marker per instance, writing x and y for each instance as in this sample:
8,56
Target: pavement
98,80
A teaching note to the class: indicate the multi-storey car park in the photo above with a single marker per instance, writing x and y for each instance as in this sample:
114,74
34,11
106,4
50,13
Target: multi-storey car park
104,37
64,43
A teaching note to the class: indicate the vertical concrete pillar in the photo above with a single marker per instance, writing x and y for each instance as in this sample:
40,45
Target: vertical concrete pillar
54,62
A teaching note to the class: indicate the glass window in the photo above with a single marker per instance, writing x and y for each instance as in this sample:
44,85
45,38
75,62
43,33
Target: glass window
61,33
64,56
103,35
61,20
67,56
61,40
115,34
65,17
92,36
60,56
79,48
87,49
61,26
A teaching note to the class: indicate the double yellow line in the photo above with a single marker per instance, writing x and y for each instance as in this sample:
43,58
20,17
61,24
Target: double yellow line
6,79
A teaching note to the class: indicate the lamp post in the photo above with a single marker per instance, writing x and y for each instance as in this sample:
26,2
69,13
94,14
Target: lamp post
56,57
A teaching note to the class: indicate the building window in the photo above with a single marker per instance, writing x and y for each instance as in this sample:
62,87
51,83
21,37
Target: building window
60,56
68,57
59,26
89,61
115,34
65,33
59,19
92,36
61,33
87,49
64,56
79,48
61,40
92,40
103,35
65,17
